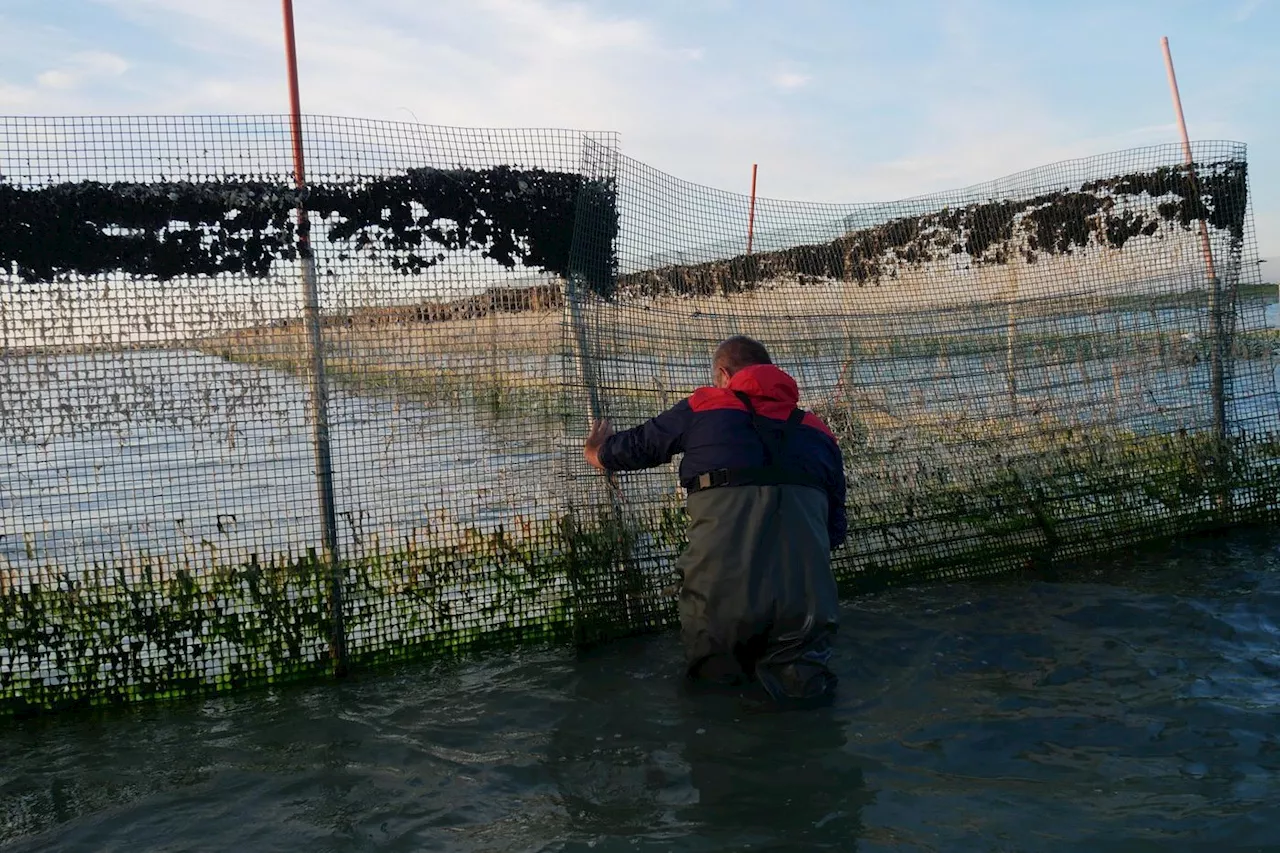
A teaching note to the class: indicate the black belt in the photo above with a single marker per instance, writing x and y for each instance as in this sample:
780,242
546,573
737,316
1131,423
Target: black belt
764,476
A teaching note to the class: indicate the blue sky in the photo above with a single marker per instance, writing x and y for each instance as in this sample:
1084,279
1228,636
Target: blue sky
837,100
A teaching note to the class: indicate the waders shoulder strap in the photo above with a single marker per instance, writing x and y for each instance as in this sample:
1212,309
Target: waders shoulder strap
771,473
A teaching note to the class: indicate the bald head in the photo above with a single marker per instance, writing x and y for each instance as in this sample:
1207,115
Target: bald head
738,352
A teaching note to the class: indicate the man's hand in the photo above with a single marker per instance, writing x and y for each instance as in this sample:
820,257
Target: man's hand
600,432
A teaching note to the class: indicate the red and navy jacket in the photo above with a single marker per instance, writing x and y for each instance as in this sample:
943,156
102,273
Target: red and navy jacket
714,430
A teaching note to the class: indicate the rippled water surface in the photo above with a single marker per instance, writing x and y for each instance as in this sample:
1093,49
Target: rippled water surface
1129,707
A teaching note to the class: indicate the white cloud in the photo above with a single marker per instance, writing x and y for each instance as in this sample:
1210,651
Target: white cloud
15,96
83,67
58,80
506,61
790,80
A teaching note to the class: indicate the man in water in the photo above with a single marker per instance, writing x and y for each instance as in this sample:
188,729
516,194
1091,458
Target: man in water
766,507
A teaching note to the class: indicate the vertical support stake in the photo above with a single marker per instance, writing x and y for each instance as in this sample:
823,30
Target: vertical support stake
1217,381
315,348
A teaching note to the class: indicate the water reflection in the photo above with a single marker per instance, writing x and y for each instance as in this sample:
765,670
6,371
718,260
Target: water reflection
1128,707
716,770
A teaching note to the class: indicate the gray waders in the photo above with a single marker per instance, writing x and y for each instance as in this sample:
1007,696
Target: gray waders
759,602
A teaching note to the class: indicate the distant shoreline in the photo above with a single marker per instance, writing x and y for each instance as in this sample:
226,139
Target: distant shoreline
529,320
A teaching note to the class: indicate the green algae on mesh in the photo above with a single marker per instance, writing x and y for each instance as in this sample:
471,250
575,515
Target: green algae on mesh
117,634
152,631
112,636
1072,496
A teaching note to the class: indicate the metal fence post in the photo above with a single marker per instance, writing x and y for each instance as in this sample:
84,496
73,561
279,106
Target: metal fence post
599,162
315,345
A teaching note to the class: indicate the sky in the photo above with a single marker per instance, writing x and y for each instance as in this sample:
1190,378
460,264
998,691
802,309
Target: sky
836,100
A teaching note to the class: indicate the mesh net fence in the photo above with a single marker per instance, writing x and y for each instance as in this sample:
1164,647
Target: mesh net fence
1018,373
207,485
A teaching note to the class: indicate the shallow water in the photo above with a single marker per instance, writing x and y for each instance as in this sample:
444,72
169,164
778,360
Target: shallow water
1129,708
180,455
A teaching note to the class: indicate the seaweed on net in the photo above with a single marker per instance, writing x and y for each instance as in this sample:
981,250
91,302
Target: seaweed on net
992,232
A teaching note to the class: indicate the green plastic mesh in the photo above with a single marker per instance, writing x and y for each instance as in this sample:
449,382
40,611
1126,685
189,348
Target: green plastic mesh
1020,373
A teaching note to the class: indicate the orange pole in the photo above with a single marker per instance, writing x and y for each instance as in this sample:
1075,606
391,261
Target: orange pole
295,103
751,215
1218,350
1186,150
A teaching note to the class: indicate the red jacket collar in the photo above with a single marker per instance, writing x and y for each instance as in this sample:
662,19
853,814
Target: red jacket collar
766,382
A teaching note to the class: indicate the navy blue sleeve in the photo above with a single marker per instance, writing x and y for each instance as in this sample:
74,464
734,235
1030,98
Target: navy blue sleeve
650,444
837,521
